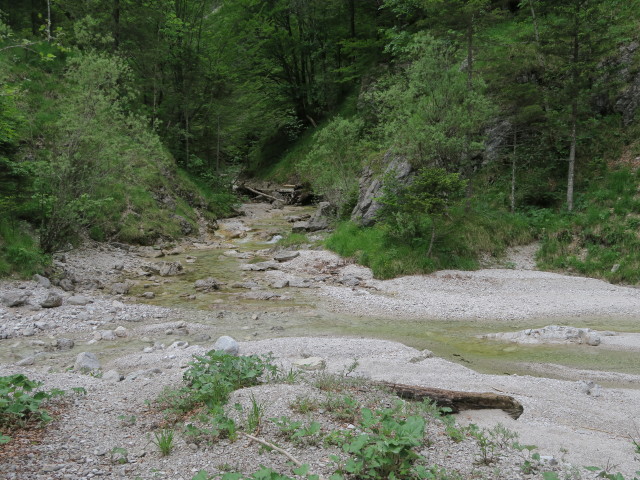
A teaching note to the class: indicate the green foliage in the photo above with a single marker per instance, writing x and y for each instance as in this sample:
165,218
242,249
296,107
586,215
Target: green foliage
164,441
119,455
297,432
294,240
304,405
462,239
256,412
19,252
212,377
411,211
21,402
334,162
385,449
426,110
600,238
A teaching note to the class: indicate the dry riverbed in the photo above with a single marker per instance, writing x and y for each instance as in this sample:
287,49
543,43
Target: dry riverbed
290,308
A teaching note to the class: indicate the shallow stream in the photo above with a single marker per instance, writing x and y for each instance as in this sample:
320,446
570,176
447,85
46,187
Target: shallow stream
303,315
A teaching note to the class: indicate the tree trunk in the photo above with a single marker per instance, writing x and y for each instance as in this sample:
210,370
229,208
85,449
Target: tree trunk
575,77
48,26
539,55
470,54
433,237
458,401
513,172
218,146
572,154
352,18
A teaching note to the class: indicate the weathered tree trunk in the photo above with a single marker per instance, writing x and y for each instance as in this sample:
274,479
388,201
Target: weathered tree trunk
458,401
513,172
575,76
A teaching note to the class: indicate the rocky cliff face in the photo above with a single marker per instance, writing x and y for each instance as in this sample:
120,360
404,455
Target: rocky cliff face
628,100
371,184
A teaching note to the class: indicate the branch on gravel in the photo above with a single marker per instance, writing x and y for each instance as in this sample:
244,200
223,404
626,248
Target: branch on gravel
297,462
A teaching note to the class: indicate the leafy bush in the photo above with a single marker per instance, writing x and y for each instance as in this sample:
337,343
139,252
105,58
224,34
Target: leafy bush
386,449
212,377
21,403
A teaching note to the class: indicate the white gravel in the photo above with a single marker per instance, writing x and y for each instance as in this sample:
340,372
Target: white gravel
575,427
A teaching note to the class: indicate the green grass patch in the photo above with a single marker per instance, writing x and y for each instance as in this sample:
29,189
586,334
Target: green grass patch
19,252
294,240
459,243
601,238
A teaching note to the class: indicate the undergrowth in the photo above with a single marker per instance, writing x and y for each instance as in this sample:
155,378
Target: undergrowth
22,403
600,239
461,241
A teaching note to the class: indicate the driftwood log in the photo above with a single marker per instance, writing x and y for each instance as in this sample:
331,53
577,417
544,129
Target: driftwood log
456,400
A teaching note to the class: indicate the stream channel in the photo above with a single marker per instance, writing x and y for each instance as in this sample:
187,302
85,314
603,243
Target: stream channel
249,239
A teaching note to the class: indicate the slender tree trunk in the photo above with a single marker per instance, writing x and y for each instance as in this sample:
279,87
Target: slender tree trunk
48,26
539,55
352,18
433,238
575,77
513,172
572,154
470,54
218,146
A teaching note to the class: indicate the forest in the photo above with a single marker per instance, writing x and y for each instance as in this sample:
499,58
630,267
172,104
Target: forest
130,121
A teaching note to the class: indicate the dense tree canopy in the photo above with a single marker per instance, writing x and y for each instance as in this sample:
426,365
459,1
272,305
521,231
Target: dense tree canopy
524,92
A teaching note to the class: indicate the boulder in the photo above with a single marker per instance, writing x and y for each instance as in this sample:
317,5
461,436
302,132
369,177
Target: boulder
206,285
63,344
87,362
170,269
311,363
43,282
78,300
53,300
260,266
285,256
300,282
67,285
112,376
250,285
15,299
262,295
104,335
121,332
227,345
120,288
282,283
371,184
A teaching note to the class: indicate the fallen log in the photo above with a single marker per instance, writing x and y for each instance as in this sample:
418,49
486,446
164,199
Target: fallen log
456,400
261,194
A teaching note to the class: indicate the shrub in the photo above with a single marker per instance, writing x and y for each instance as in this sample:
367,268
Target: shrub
21,403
